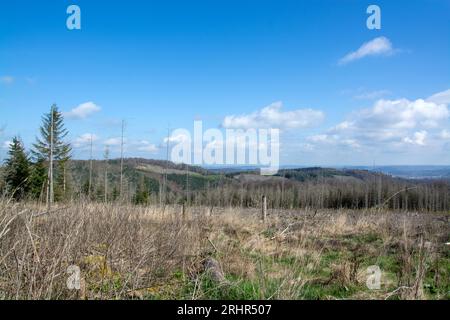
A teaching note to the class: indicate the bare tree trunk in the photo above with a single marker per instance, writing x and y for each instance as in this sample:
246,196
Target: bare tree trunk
50,168
264,208
121,161
64,179
183,211
90,172
282,190
160,194
166,169
106,185
187,186
379,187
106,173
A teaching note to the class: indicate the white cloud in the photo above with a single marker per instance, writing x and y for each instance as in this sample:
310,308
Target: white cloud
343,126
178,138
113,141
131,146
146,146
376,47
82,111
319,138
418,138
371,95
445,134
6,80
391,124
84,139
273,117
441,97
332,139
7,144
404,113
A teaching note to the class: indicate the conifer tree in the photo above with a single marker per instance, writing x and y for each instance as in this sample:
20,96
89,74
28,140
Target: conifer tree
17,169
51,147
38,179
141,196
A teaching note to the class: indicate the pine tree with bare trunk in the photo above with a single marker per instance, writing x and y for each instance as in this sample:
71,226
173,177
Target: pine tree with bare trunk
50,147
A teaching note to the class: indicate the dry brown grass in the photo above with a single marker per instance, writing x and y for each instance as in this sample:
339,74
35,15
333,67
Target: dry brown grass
145,252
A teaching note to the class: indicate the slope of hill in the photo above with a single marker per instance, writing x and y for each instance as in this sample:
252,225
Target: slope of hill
198,177
409,171
157,181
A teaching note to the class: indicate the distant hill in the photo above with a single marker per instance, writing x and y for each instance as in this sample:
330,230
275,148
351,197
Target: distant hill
416,172
177,173
157,181
403,171
181,177
143,171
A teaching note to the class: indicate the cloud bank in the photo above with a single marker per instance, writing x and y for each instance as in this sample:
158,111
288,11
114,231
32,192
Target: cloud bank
272,116
394,124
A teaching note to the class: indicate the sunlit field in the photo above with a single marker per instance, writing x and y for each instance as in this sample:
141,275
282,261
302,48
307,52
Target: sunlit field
137,252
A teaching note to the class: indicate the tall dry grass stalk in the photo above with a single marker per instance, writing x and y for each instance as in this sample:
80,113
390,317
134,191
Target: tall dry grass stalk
119,248
128,251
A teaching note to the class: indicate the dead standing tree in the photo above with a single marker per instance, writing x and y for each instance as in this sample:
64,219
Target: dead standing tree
121,160
50,168
264,208
106,156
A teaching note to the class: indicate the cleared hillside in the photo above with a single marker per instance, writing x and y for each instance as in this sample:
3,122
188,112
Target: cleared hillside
156,181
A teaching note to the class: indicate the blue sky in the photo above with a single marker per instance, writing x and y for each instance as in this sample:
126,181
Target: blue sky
166,63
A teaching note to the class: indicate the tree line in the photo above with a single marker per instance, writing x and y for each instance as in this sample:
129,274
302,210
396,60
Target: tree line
41,173
329,193
47,173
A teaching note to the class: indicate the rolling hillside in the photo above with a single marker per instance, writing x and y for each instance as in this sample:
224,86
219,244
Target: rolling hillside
156,181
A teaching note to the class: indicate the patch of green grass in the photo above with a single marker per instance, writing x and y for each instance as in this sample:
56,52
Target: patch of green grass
330,256
368,238
362,250
109,285
353,239
387,263
269,232
288,260
320,291
236,289
437,279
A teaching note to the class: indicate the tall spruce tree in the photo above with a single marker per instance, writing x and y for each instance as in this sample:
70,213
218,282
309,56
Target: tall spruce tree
38,179
17,170
51,147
